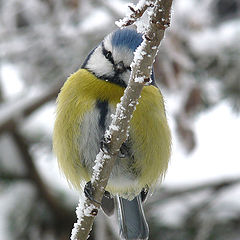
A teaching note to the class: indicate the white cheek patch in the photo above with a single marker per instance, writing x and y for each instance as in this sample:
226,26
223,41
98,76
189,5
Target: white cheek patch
99,64
102,67
119,53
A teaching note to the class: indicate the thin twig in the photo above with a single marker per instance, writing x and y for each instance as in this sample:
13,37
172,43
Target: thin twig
137,12
167,194
10,112
117,132
58,210
12,177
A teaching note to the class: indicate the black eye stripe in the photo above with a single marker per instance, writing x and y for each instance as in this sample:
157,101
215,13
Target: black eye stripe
107,54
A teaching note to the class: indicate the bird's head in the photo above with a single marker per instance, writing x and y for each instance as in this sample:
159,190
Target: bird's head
111,59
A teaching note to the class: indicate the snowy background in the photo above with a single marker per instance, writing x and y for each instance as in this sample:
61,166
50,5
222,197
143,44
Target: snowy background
43,41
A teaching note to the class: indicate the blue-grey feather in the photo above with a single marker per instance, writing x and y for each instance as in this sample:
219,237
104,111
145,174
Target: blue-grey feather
133,224
126,38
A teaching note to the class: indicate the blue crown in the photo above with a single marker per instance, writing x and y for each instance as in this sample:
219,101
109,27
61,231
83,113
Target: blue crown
126,37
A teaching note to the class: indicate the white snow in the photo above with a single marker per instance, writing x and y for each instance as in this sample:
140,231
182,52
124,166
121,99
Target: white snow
98,165
217,154
12,85
81,211
114,127
95,24
211,40
139,79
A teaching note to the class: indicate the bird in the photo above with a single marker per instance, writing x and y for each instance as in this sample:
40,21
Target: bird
85,106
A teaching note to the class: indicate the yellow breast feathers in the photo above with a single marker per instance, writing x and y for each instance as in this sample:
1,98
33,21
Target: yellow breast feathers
151,140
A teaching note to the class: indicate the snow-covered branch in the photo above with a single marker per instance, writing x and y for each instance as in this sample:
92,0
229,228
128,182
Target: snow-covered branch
118,130
11,112
136,12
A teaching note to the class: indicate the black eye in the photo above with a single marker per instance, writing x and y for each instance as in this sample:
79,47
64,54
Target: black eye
128,68
108,55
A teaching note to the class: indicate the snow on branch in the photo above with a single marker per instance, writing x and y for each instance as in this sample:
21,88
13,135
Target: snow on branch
136,12
118,130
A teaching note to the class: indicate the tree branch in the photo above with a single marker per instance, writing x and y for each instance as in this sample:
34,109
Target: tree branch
117,132
10,177
58,210
137,12
167,194
10,112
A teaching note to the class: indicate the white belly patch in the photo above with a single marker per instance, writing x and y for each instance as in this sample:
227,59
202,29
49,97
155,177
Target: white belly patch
89,141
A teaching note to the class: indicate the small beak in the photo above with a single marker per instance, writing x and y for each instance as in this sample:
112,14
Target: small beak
119,67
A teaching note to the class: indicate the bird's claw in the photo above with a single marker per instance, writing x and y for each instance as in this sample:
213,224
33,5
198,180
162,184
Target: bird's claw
104,145
88,191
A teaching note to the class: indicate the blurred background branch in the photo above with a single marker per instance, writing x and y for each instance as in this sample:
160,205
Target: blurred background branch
43,41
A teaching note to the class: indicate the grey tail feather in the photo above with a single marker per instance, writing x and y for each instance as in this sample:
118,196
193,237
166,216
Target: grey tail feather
133,224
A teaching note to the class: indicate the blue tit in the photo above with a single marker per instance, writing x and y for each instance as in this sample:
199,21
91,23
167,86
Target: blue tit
84,107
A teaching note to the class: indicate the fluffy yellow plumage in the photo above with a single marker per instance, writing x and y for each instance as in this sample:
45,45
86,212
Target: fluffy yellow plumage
149,131
84,108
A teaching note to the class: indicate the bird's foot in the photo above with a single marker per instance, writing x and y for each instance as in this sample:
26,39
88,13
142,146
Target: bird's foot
144,194
88,191
104,144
